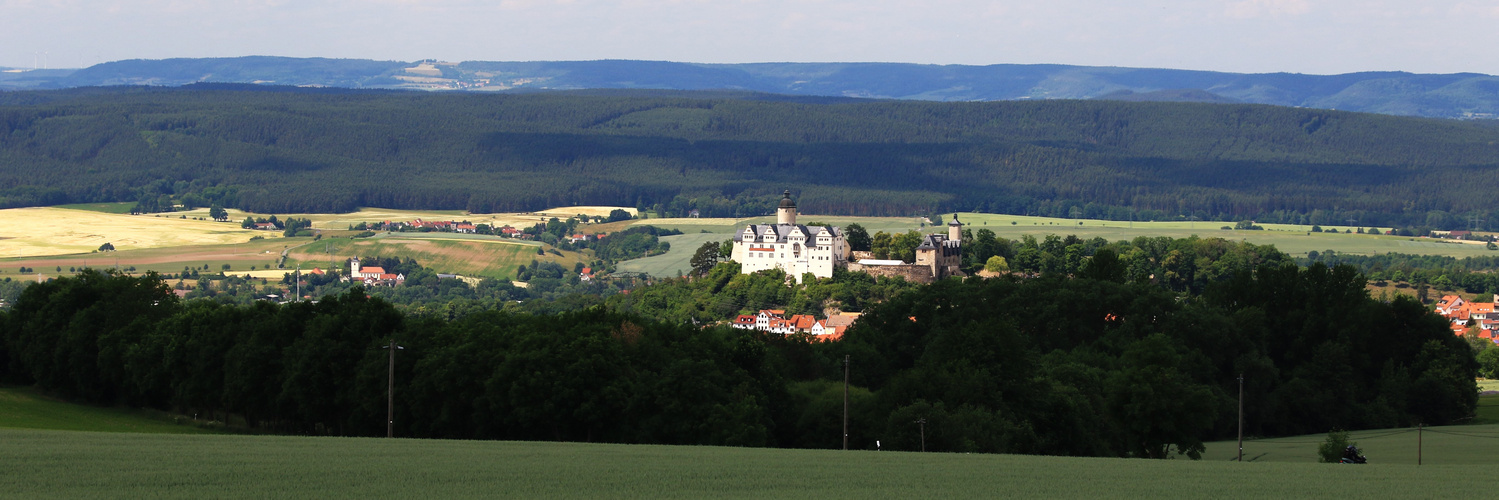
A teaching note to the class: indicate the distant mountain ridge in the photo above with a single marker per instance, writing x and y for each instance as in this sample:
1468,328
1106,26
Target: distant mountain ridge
1461,95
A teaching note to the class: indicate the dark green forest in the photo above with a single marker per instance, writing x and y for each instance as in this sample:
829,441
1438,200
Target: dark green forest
1095,364
288,150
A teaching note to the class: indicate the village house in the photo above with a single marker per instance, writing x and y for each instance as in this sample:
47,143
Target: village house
776,321
373,276
1464,315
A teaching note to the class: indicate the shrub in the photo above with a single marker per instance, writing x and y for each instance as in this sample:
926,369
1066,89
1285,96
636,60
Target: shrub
1331,449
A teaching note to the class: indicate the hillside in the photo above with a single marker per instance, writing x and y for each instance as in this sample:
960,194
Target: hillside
1463,95
288,150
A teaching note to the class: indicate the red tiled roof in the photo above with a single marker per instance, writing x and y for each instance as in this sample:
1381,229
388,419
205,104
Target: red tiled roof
371,270
802,321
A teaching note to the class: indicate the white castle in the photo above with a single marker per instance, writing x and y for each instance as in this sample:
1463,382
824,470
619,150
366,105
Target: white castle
791,247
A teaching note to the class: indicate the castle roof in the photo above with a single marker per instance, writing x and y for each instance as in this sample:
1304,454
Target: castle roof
786,202
933,241
782,231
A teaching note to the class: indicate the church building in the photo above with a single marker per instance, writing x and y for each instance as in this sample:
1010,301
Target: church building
791,247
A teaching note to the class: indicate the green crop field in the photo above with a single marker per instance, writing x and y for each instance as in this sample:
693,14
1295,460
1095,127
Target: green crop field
1450,445
23,408
108,208
469,255
677,259
1291,239
139,454
87,464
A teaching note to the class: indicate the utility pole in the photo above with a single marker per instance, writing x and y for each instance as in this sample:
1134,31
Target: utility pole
299,283
845,402
1241,417
390,391
1419,430
922,423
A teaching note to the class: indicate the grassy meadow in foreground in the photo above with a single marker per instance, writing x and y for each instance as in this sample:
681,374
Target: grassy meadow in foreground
87,464
77,464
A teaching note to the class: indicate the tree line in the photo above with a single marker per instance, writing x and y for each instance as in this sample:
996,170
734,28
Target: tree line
287,152
1090,364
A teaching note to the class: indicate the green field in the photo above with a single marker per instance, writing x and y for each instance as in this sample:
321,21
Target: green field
1292,239
86,464
677,259
470,255
1450,445
23,408
143,454
108,208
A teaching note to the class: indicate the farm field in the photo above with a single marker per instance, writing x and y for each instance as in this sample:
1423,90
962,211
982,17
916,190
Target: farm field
1449,445
1291,239
67,237
678,258
370,214
87,464
443,252
23,408
30,232
167,243
240,256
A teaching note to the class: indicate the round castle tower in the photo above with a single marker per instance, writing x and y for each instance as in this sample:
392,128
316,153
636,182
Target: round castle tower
955,229
786,213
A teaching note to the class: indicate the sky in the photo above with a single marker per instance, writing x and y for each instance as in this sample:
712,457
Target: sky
1253,36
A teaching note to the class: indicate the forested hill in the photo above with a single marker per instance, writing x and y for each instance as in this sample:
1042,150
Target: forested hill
1461,95
300,150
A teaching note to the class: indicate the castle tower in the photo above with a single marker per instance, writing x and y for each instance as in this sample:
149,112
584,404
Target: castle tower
955,229
786,213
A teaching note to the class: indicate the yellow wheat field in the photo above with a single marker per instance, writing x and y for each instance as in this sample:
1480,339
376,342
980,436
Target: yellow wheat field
27,232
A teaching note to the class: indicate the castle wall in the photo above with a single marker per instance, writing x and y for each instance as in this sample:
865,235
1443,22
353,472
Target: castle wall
915,273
